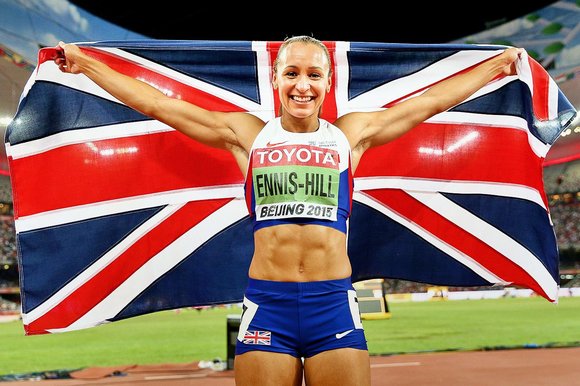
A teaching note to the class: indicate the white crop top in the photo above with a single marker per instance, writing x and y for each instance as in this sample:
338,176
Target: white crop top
300,178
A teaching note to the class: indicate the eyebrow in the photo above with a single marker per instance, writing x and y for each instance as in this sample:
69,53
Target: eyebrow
310,68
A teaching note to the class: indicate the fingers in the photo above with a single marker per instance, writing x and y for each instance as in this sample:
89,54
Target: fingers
517,52
60,57
61,61
512,57
59,49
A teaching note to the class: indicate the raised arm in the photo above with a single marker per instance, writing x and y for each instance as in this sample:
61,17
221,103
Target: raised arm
366,130
231,131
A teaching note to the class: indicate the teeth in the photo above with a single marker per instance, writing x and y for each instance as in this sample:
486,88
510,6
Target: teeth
302,99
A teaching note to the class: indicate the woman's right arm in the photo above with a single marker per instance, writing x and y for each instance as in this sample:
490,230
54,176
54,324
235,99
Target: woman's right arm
223,130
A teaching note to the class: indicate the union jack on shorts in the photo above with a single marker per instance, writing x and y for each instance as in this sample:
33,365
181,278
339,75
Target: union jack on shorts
257,337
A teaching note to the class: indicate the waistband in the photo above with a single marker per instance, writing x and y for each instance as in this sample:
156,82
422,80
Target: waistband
300,287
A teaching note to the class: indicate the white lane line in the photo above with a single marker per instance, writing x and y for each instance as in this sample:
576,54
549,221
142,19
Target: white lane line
175,377
396,364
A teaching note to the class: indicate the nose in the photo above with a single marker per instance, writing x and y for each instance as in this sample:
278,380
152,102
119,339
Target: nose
303,85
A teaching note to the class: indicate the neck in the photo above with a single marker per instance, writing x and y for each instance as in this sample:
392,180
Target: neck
299,125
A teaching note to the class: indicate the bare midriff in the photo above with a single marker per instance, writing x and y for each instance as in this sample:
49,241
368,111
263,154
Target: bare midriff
299,253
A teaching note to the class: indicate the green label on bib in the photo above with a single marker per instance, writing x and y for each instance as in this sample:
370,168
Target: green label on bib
296,181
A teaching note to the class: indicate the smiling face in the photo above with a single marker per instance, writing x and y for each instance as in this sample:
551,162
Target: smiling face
302,78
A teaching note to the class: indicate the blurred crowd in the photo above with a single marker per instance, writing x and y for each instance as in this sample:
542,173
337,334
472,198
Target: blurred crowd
7,306
398,286
7,240
566,219
562,185
562,178
5,190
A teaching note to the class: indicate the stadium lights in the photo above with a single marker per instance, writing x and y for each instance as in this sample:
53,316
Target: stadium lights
570,131
574,128
5,121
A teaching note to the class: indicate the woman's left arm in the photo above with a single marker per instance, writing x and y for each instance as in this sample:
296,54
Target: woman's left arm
365,130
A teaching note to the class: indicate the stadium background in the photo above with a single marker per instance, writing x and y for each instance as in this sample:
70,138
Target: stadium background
48,21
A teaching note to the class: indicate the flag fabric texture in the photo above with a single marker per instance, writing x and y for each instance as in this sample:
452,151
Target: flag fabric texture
118,215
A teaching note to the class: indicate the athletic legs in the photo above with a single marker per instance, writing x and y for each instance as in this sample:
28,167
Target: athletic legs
344,367
262,368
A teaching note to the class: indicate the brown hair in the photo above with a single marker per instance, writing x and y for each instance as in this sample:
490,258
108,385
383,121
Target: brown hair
305,39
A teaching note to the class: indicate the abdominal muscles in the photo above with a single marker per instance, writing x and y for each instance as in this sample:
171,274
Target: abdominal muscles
294,252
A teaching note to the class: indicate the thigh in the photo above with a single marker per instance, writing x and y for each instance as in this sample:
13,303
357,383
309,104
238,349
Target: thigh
345,367
257,368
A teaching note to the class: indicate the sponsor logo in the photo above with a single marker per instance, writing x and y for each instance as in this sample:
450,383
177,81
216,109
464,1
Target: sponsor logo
270,144
295,155
343,334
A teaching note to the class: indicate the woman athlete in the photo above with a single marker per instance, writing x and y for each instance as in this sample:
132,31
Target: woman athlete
301,318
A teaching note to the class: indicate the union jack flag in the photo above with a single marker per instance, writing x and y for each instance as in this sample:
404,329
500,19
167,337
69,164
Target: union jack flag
118,215
257,337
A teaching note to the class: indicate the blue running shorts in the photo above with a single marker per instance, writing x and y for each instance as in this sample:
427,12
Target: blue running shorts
301,319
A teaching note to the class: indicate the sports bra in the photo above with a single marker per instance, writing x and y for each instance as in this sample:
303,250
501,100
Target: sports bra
299,178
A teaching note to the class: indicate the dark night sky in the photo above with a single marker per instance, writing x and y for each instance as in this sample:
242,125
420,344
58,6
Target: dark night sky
412,22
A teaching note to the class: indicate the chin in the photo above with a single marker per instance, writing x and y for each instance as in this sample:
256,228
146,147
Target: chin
303,113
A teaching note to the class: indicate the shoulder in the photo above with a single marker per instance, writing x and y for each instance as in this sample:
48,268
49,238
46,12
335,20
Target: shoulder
353,126
332,127
353,121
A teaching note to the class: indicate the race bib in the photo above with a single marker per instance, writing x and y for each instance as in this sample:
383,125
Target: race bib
296,181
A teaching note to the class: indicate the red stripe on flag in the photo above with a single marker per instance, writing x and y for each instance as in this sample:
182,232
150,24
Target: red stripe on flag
541,90
494,155
113,275
329,109
456,237
118,168
162,82
273,48
451,152
47,54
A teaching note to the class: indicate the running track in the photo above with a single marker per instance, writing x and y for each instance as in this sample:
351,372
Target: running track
525,367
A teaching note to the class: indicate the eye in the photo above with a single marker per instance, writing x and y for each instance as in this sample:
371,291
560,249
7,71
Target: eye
291,74
315,75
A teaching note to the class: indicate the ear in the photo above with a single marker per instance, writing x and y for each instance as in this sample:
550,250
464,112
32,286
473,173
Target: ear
274,80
